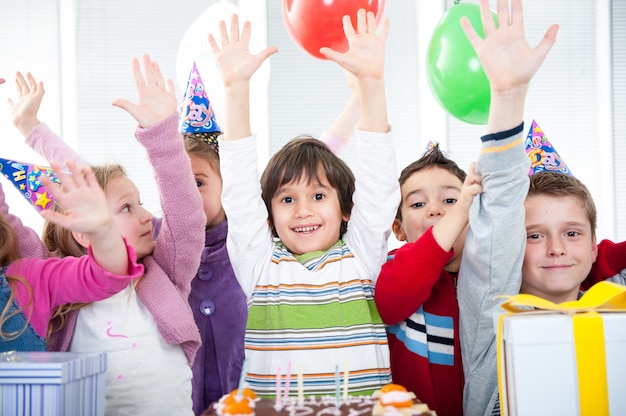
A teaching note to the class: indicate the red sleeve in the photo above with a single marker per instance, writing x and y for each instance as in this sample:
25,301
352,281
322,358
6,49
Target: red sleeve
406,281
610,261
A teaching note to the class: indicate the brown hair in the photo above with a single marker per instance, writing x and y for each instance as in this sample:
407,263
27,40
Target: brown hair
433,157
9,253
556,184
305,156
201,149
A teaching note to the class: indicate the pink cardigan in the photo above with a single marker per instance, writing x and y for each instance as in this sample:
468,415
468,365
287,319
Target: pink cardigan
165,288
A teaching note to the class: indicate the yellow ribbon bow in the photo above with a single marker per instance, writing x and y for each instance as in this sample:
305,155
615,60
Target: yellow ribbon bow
588,339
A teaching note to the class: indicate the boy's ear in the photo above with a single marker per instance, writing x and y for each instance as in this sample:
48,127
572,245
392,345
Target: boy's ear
595,249
397,230
81,238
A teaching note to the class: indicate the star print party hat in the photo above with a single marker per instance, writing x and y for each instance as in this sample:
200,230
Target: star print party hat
197,118
26,178
543,156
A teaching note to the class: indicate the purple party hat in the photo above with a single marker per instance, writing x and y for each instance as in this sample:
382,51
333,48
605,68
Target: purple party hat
197,118
543,156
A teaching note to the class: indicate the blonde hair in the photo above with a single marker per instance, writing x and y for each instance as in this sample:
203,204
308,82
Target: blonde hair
60,242
9,253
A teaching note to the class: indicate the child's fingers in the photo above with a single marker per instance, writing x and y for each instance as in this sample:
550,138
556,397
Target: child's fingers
361,21
266,53
125,105
348,29
170,86
213,44
137,75
246,32
384,29
487,19
54,217
90,177
148,70
234,28
223,34
20,84
32,83
546,43
517,13
470,33
158,75
371,22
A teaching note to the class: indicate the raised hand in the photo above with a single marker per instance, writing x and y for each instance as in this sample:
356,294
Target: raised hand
506,57
86,213
472,185
26,106
83,202
365,57
156,96
233,59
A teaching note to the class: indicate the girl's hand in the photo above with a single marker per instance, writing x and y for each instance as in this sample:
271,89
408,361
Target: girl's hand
83,202
233,59
156,96
26,106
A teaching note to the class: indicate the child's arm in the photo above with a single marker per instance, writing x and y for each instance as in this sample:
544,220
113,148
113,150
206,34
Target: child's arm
611,260
365,59
38,135
180,239
107,269
237,65
341,130
407,281
86,213
377,192
249,240
495,243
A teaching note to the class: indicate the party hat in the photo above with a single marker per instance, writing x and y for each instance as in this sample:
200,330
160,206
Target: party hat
543,156
26,178
427,149
197,118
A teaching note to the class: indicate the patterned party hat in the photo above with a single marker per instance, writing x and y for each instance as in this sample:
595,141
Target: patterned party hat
197,118
429,146
26,178
543,156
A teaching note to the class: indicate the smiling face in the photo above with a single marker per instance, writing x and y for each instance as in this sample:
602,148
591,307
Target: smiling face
307,215
131,218
560,247
209,182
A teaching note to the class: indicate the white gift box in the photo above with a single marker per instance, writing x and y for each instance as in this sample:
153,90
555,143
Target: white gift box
52,383
538,368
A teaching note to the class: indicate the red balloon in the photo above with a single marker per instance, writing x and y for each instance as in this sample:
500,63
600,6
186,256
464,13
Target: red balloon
313,24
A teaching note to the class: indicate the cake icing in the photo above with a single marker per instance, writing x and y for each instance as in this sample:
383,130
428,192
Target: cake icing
391,400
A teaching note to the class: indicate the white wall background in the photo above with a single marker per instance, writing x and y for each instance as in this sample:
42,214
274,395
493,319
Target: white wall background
82,49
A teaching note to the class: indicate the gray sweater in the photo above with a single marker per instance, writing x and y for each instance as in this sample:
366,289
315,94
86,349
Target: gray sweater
492,262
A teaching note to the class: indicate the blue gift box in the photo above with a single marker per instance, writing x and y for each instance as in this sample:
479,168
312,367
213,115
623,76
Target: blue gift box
52,383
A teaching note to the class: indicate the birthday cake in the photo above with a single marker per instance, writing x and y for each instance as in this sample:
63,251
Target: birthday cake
390,400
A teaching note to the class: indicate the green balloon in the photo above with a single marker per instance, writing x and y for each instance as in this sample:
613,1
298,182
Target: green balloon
454,72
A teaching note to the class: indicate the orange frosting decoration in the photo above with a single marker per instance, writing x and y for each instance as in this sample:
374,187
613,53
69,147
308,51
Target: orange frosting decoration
246,393
238,408
393,388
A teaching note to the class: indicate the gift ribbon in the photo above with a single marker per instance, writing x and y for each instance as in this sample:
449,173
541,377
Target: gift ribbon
588,339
